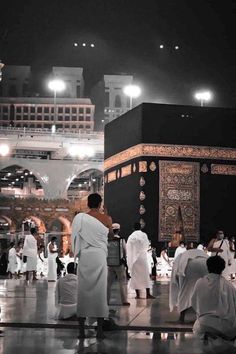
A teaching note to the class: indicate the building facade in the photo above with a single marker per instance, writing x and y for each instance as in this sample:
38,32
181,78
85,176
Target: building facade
71,114
73,78
15,81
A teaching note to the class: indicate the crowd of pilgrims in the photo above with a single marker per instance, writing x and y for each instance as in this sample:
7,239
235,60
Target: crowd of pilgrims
201,276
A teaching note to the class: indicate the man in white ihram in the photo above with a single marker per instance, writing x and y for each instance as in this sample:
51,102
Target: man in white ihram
219,245
180,249
187,269
137,259
214,301
66,294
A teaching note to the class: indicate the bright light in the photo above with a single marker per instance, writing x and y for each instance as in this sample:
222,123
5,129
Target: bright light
84,44
92,45
81,151
176,47
4,149
203,96
161,46
53,129
75,44
56,85
132,91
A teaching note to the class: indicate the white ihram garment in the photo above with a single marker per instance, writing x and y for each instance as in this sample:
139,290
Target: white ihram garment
41,264
187,269
19,260
66,296
52,264
179,250
137,259
12,261
214,301
30,251
226,255
89,244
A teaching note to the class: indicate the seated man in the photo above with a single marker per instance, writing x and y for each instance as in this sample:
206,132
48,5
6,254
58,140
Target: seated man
214,301
66,294
187,269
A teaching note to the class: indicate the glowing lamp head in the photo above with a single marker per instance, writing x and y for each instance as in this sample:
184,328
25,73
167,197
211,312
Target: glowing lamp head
57,85
4,150
203,96
132,91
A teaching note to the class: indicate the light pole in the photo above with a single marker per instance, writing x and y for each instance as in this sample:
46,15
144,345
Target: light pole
56,85
203,97
132,91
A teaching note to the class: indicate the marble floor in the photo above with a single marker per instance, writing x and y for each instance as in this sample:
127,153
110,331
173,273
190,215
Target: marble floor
27,319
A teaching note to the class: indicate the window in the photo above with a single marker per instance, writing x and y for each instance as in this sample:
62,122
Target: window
46,117
81,126
67,110
18,109
67,126
60,118
73,110
67,118
47,126
88,110
107,99
73,126
77,91
5,117
81,110
39,109
81,118
32,117
32,109
52,109
87,118
117,101
25,109
46,110
59,126
87,127
18,117
39,125
39,117
74,118
60,110
18,125
31,126
25,117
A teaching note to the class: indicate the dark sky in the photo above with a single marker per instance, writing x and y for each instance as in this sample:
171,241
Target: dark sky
127,35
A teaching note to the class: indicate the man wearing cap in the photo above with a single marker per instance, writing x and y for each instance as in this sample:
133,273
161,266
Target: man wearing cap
118,271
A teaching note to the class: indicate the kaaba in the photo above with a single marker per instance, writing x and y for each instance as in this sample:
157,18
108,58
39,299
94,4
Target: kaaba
173,168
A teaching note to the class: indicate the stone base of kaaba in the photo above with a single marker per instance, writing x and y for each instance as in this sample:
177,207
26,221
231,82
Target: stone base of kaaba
173,168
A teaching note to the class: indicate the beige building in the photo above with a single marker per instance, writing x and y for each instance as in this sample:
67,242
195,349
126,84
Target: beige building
15,80
73,78
72,114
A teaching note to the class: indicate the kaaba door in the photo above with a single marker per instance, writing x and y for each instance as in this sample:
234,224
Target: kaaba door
179,201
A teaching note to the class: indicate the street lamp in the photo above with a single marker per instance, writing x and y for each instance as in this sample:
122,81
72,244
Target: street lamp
56,85
4,150
132,91
203,97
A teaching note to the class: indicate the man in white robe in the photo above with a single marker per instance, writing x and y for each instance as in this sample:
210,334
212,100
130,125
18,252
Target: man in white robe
12,260
30,250
89,244
180,249
137,260
220,246
187,269
66,294
214,301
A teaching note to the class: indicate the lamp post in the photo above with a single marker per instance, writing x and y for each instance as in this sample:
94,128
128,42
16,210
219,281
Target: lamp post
132,91
203,97
56,85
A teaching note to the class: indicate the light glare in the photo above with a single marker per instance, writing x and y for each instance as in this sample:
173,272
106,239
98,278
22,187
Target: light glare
4,149
56,85
132,91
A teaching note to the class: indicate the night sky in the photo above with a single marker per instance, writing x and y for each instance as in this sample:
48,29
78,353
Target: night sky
127,35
